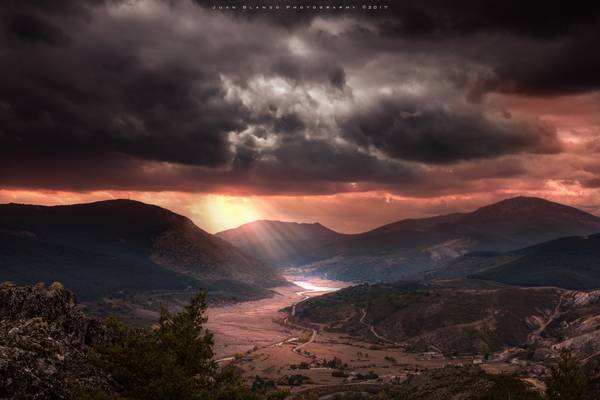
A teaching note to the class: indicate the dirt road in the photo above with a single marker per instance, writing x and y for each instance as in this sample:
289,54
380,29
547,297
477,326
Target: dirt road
372,328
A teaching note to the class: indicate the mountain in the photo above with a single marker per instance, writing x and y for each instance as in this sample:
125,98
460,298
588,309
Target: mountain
407,248
505,225
123,246
570,262
278,242
461,320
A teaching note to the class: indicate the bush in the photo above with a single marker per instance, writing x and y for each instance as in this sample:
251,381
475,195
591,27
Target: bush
339,374
172,361
509,387
391,359
293,380
568,380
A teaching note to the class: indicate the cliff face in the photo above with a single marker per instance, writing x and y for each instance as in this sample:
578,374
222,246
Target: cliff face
43,339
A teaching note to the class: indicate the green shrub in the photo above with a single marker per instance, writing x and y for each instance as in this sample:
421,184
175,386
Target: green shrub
174,360
509,387
568,381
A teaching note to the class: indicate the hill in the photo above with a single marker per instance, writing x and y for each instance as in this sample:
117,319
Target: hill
278,242
123,246
460,320
570,262
407,248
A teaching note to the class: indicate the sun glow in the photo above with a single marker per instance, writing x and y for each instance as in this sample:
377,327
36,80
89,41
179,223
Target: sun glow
218,212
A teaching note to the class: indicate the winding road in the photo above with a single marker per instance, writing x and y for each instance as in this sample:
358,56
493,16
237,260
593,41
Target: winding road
313,336
551,317
372,328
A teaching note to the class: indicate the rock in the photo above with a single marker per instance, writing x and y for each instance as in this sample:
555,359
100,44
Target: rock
43,352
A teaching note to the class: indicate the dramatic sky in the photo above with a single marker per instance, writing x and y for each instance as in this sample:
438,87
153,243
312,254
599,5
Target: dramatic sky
352,118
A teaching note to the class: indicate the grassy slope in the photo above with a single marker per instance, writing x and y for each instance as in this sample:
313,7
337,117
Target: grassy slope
454,320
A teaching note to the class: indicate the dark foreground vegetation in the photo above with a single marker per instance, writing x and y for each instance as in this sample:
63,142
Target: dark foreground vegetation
174,360
50,350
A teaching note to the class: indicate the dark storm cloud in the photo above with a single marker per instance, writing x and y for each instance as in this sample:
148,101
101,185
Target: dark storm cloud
321,160
535,18
81,172
567,65
434,133
534,48
288,123
288,18
420,18
97,101
592,183
337,77
96,95
165,95
31,28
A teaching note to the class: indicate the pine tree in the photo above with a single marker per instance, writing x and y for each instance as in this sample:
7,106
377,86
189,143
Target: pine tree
568,381
172,361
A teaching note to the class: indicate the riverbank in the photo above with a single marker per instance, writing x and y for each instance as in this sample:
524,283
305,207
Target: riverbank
244,326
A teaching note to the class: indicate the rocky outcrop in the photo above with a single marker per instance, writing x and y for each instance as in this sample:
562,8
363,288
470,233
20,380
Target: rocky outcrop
43,352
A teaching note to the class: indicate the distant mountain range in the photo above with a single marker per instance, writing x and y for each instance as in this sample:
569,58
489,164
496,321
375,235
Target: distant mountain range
408,248
122,246
569,262
281,243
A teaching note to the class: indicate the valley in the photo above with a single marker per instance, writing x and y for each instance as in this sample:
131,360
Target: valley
343,350
260,324
458,301
289,200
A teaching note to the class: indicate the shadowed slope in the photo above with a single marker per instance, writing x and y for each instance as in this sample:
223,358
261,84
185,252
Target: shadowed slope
571,263
120,245
407,248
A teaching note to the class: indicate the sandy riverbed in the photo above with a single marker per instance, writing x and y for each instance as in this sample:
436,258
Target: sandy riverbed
245,326
242,326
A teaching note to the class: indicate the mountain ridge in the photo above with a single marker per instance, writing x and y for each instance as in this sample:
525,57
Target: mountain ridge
121,241
522,200
279,241
407,248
